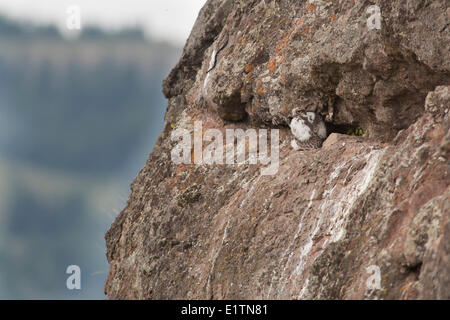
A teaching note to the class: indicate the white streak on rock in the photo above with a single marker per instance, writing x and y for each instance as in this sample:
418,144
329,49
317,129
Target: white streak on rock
212,61
335,207
289,248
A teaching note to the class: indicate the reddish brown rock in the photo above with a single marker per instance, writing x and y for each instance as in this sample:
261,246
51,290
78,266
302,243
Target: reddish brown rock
329,218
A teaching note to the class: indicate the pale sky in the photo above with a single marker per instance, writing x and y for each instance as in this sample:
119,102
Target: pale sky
163,19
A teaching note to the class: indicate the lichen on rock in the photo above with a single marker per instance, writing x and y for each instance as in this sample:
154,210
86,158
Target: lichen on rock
377,201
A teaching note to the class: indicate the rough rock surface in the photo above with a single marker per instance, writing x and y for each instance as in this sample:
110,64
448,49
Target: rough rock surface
331,218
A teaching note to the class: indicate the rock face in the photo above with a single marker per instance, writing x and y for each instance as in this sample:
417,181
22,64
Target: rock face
364,217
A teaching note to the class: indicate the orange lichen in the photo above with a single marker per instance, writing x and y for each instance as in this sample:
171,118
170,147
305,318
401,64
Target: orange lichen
228,52
261,91
193,115
249,68
333,17
272,63
282,44
280,60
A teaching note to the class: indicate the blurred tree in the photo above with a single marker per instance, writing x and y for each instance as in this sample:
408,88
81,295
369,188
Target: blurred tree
89,112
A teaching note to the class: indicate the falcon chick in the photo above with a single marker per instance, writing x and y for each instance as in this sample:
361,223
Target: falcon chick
308,129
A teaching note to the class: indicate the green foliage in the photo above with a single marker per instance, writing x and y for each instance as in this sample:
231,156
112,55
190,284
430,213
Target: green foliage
358,132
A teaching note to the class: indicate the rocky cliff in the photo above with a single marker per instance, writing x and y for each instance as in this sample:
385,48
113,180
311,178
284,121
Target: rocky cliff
367,215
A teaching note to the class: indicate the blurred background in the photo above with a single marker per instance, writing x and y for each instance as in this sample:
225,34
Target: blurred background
80,110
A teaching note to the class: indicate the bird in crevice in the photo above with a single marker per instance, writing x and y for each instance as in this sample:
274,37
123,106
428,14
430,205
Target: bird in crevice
308,128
